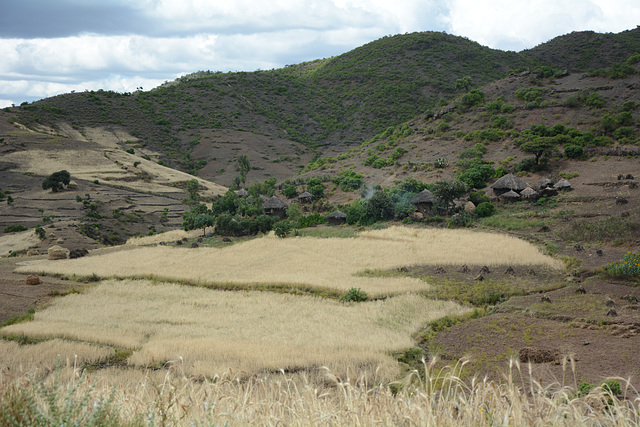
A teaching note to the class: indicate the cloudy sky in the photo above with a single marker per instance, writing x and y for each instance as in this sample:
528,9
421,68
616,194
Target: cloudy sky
48,47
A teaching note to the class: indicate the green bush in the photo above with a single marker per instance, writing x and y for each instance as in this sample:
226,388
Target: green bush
573,151
473,97
485,209
15,228
56,181
531,94
612,386
461,219
282,228
354,295
41,233
130,151
348,180
477,197
629,266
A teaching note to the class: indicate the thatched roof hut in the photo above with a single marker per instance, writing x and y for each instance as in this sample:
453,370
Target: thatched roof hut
509,196
275,207
423,201
337,218
305,197
529,193
545,183
242,193
562,185
507,183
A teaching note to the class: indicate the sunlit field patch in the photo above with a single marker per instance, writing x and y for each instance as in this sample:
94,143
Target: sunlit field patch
332,263
211,331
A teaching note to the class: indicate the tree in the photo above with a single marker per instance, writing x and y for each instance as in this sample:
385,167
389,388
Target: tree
203,221
56,181
380,206
192,190
465,83
541,146
447,191
282,228
243,166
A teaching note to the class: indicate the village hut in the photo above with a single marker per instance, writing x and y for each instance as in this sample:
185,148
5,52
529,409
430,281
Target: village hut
509,196
545,183
562,185
275,207
529,194
264,198
242,193
305,197
423,201
337,218
508,183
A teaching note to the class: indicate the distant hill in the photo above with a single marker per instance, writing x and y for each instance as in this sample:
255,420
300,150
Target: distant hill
341,100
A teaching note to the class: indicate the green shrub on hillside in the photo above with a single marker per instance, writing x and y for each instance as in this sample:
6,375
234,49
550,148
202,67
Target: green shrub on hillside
15,228
629,266
348,180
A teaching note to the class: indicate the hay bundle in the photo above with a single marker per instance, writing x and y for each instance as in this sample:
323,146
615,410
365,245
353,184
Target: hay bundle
57,252
538,355
32,280
33,252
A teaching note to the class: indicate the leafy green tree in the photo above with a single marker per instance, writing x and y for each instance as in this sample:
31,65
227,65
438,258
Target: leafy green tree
56,181
282,228
290,191
380,206
473,98
447,191
192,192
465,83
243,166
539,147
203,221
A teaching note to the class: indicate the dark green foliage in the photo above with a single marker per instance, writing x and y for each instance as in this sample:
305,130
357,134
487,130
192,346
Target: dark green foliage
282,228
477,197
41,233
357,213
380,206
348,180
203,221
531,94
528,165
573,151
15,228
613,387
539,147
473,98
477,174
485,209
354,295
9,200
629,106
243,167
461,219
585,388
56,181
290,191
447,191
130,151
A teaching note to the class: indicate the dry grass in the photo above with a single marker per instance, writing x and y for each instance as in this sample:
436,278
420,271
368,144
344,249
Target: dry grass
169,236
213,331
439,399
326,263
46,356
17,241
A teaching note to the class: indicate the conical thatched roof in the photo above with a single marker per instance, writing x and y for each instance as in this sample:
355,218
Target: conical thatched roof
425,196
528,193
337,214
274,203
511,182
305,195
562,185
546,182
510,195
242,192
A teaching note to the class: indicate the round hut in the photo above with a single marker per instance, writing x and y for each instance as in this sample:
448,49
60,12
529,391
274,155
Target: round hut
242,193
305,197
529,194
509,196
337,218
508,183
545,183
423,201
275,207
562,185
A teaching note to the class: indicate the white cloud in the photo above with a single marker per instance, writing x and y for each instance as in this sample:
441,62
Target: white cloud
6,103
505,24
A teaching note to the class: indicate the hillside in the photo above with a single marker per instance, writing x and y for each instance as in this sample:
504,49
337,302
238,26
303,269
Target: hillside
336,101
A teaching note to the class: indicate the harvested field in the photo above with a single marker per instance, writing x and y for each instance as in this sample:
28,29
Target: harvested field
302,262
213,331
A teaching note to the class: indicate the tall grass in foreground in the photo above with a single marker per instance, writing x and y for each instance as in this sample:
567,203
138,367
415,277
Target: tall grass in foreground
332,263
428,397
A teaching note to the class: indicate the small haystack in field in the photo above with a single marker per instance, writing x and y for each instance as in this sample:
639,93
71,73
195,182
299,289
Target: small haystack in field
337,218
508,183
423,201
275,207
57,252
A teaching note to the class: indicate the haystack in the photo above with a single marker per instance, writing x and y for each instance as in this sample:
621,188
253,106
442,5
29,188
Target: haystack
32,280
337,218
423,201
275,207
57,252
507,183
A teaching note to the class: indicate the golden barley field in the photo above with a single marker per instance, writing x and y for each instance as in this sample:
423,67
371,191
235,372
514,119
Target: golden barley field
332,263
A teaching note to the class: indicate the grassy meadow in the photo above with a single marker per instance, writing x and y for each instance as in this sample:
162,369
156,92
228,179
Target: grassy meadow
134,349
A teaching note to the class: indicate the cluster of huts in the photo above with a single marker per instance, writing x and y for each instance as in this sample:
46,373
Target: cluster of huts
510,188
507,189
